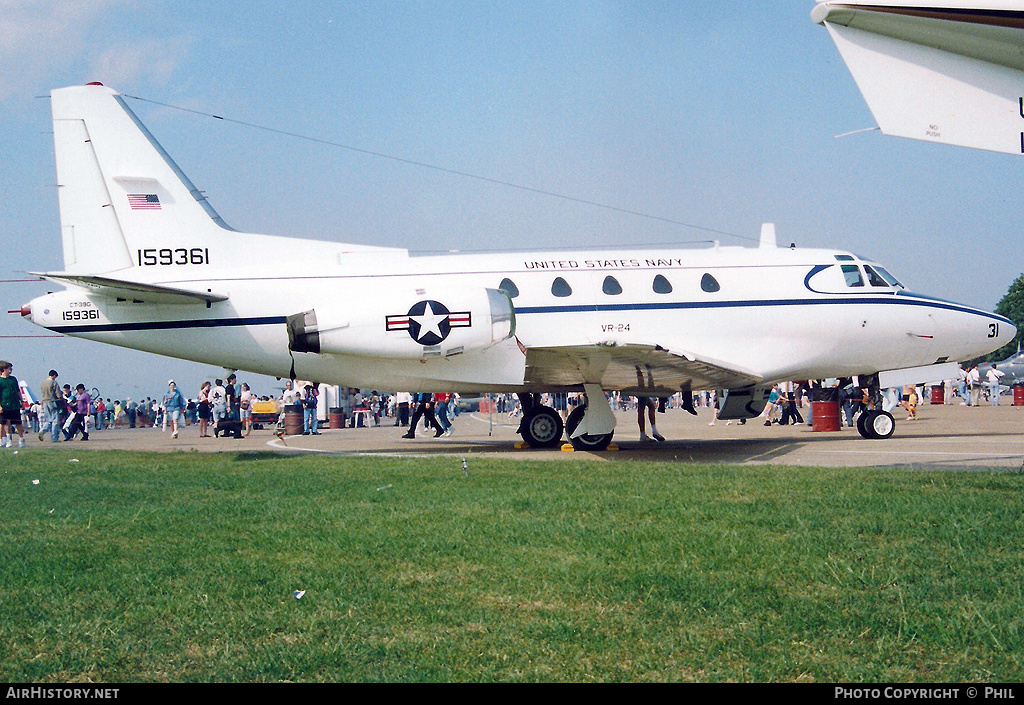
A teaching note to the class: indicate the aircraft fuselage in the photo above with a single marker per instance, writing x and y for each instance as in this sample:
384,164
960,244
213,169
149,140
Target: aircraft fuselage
773,314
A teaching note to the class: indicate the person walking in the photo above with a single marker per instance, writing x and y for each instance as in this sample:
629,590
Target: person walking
10,406
52,400
78,420
174,406
424,408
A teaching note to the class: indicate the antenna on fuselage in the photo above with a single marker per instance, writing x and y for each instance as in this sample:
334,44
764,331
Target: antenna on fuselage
768,236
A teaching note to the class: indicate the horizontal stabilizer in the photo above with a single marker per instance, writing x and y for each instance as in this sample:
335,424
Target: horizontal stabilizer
947,72
633,368
130,290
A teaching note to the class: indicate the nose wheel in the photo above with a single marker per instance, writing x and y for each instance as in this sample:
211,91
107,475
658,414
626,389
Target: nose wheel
876,425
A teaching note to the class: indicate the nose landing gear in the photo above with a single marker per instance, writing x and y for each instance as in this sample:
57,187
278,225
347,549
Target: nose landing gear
876,425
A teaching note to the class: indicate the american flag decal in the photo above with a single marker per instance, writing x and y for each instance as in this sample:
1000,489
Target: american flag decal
143,201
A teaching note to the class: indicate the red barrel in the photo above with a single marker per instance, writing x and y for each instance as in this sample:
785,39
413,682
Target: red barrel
825,409
938,395
335,418
292,420
1018,396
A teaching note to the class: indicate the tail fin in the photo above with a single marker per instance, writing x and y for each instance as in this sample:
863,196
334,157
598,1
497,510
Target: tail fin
125,203
120,193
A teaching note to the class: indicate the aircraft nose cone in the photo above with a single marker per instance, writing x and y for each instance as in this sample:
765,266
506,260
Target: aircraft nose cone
1007,333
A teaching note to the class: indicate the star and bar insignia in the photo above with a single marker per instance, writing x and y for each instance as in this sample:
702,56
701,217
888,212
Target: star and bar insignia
429,322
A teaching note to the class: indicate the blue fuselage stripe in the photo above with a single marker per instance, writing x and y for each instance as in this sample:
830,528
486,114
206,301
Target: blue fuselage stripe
173,325
901,300
691,305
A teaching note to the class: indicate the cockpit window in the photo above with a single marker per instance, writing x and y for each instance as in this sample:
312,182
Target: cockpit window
852,274
509,287
561,288
611,286
874,278
890,279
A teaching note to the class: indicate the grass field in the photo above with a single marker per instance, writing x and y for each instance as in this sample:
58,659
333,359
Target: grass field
126,567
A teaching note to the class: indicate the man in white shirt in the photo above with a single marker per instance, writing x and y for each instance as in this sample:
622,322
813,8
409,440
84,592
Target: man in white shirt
974,383
993,377
290,396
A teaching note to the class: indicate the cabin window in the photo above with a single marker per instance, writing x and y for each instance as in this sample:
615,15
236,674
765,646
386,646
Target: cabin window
509,287
662,285
852,274
709,284
561,288
611,286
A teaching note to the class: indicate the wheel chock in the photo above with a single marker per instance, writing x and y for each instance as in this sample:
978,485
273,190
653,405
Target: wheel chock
567,448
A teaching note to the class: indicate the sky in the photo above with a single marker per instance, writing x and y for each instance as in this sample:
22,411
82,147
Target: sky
704,119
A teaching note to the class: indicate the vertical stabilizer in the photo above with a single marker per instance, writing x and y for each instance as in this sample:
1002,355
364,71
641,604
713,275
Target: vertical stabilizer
121,196
124,203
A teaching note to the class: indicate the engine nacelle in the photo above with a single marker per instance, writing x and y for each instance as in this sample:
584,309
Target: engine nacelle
415,324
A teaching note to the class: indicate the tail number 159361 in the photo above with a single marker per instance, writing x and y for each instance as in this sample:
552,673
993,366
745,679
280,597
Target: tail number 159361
154,257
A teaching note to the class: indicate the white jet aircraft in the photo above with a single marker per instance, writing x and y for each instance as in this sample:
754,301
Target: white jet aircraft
937,70
149,265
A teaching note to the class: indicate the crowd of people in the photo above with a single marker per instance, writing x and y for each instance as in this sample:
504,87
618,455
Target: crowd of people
66,413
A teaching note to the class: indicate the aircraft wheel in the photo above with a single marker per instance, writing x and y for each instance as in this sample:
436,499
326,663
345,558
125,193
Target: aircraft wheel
862,421
542,427
586,441
879,425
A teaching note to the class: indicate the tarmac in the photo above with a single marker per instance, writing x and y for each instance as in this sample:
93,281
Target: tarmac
944,437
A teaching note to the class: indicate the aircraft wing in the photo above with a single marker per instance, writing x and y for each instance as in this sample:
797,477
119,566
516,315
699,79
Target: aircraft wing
633,368
937,70
132,291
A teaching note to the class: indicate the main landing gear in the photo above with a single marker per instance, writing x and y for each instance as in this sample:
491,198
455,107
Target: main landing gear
541,426
874,423
589,427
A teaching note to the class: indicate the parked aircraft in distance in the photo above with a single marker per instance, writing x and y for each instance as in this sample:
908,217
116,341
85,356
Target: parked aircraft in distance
937,70
1012,368
149,265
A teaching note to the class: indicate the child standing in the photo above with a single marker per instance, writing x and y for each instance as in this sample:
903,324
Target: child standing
912,404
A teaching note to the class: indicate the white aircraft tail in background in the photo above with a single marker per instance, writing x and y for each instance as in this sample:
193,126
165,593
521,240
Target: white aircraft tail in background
937,70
